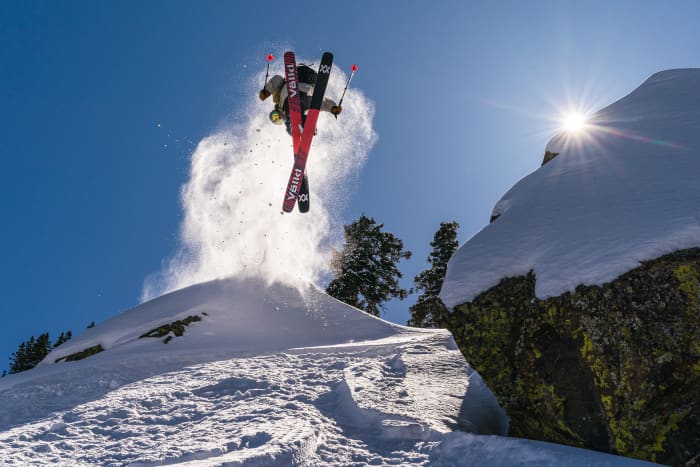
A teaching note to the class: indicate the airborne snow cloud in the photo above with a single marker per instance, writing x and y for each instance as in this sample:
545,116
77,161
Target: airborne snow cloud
232,223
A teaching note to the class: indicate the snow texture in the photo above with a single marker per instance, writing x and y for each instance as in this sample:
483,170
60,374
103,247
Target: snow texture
269,376
623,190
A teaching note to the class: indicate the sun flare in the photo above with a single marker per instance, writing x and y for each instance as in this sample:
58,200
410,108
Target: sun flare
574,122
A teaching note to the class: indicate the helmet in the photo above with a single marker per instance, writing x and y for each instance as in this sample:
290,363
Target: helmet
276,117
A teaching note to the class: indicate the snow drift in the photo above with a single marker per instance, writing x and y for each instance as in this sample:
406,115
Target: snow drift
238,315
304,362
622,191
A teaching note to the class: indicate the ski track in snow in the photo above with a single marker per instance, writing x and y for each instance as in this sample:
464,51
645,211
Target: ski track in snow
394,401
308,406
269,376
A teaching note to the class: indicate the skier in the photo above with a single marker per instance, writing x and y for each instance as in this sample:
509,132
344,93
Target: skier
276,88
298,98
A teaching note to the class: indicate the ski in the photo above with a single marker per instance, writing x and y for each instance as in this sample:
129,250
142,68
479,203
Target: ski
293,99
302,153
303,198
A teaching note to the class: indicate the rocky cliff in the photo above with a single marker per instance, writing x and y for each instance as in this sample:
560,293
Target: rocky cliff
614,367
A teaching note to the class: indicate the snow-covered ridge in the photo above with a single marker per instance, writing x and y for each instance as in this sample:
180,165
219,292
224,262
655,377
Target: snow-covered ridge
238,315
271,375
623,191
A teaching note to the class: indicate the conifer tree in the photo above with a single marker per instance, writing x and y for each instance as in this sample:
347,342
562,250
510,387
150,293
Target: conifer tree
33,351
366,272
65,336
429,311
30,353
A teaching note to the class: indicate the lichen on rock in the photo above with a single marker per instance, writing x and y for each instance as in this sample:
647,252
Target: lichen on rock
614,367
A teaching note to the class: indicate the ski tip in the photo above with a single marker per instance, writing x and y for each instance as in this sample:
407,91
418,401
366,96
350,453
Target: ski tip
270,57
354,68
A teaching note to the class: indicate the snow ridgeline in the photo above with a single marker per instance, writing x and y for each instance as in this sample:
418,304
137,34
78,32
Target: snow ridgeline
622,191
267,376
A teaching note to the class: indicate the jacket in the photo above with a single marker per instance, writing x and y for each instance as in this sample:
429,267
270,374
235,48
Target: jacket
276,86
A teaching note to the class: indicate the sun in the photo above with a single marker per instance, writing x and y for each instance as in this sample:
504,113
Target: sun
574,122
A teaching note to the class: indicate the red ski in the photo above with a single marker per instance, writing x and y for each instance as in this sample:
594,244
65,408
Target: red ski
301,152
293,99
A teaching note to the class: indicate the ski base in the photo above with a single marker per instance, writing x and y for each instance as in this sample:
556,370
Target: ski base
302,152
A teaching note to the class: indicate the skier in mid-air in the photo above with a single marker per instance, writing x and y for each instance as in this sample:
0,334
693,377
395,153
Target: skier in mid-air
299,97
276,88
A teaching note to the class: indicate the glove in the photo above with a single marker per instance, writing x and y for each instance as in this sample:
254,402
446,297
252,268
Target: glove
264,94
336,109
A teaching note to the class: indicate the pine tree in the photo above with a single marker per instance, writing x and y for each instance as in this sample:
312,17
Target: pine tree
19,358
30,353
366,272
65,336
429,311
34,350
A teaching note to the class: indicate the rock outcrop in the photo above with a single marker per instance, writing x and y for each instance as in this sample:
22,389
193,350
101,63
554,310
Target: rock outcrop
614,368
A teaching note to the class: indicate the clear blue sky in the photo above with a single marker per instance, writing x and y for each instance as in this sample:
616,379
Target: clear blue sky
465,95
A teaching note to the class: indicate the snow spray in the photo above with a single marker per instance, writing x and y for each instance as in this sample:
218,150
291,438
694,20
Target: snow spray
232,223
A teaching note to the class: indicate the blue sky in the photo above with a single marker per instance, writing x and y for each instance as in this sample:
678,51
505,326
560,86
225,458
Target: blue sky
466,94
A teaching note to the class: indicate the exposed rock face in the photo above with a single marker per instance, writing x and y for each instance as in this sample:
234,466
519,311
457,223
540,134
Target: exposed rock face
548,156
89,352
614,368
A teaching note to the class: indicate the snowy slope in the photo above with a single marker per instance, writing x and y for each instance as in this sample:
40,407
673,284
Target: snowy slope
271,375
624,190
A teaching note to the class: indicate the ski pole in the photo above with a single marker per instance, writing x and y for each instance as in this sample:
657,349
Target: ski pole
354,69
269,58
